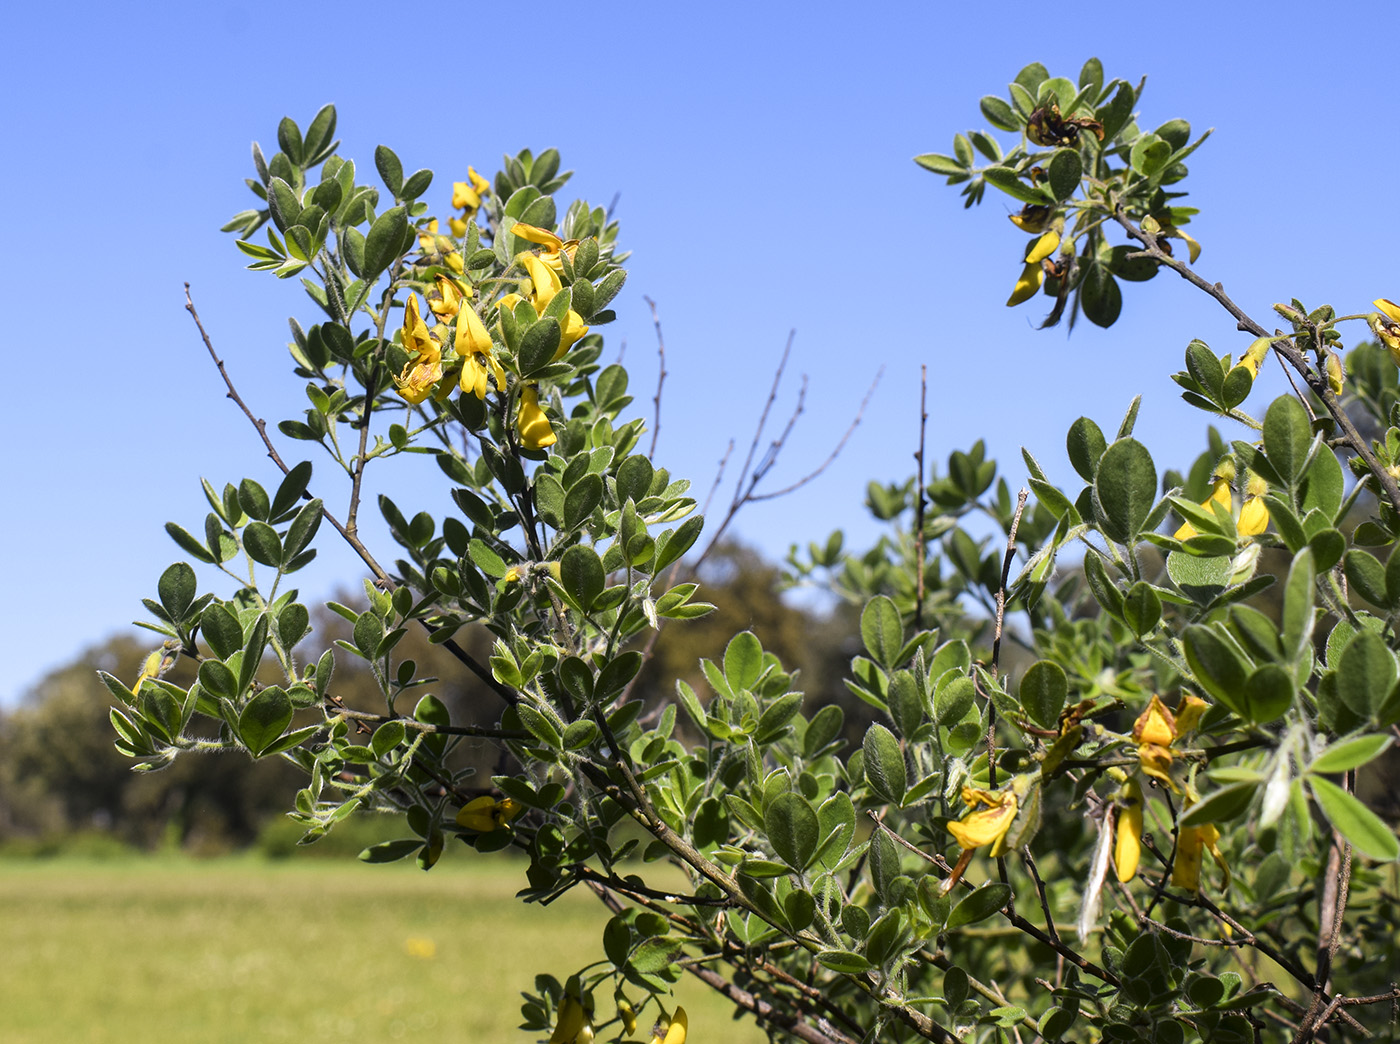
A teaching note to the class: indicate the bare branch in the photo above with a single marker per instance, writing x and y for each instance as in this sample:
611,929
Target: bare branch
919,503
660,378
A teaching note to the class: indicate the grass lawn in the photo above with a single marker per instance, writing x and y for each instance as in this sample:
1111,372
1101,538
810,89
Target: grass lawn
241,949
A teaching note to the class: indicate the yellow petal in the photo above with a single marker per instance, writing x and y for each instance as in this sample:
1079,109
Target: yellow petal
1155,725
1335,378
535,234
1031,278
1389,307
679,1024
571,1021
543,280
571,331
480,184
464,197
1189,713
458,226
476,815
532,423
1043,247
1254,517
1155,760
1127,848
1186,866
471,336
986,825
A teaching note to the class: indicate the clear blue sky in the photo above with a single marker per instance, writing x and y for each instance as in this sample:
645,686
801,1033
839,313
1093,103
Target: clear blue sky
763,157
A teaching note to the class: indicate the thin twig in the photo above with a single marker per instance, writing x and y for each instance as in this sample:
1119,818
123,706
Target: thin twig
919,503
1006,572
1284,346
836,451
660,377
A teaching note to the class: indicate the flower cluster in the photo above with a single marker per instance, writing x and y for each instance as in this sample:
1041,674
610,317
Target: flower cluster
473,359
1253,517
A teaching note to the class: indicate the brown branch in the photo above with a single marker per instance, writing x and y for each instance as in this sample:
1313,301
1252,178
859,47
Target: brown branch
422,726
840,445
386,582
1005,573
661,377
919,503
1284,346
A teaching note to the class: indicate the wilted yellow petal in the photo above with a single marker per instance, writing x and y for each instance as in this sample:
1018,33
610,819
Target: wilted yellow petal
1155,725
1155,760
1186,866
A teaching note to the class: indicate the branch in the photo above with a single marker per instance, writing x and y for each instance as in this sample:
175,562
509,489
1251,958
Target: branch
661,377
1282,345
919,503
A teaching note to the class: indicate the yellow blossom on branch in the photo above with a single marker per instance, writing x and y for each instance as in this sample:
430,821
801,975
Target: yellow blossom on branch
987,825
532,422
485,814
448,300
1254,514
671,1031
1386,325
573,1026
474,345
1157,728
1191,845
554,246
1220,478
544,281
420,373
1127,847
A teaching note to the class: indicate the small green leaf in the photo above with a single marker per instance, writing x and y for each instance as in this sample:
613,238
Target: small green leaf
1287,437
793,829
885,770
1142,608
843,961
1044,689
743,661
1125,489
979,905
581,574
177,590
1349,754
1366,674
1220,806
1366,831
882,630
1065,170
264,719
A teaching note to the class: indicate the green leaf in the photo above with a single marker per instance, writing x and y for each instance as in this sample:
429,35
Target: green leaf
385,238
940,164
825,726
583,496
999,114
538,346
1008,181
189,544
389,167
581,574
1268,693
1298,595
264,719
613,678
1346,755
1217,667
177,590
1287,437
391,851
885,771
1221,806
1366,674
1044,688
293,485
882,630
1100,296
843,961
743,661
953,700
1086,445
1125,489
1142,608
221,630
979,905
1368,578
793,829
1065,170
1366,831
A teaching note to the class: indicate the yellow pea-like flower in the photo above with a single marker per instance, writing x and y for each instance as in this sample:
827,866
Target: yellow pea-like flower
532,422
1127,846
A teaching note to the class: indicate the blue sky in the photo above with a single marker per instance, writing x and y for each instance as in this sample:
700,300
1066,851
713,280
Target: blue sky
762,153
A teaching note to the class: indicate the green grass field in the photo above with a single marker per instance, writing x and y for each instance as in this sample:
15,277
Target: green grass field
241,949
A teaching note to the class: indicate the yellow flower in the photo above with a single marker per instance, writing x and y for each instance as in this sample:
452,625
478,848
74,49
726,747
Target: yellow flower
427,239
1387,326
513,576
554,246
1157,728
485,814
574,1026
1043,247
1335,379
1031,278
1192,843
419,374
1219,493
458,226
1127,848
544,281
626,1013
570,331
1254,515
985,825
466,197
453,260
449,298
474,345
1253,356
531,422
673,1032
